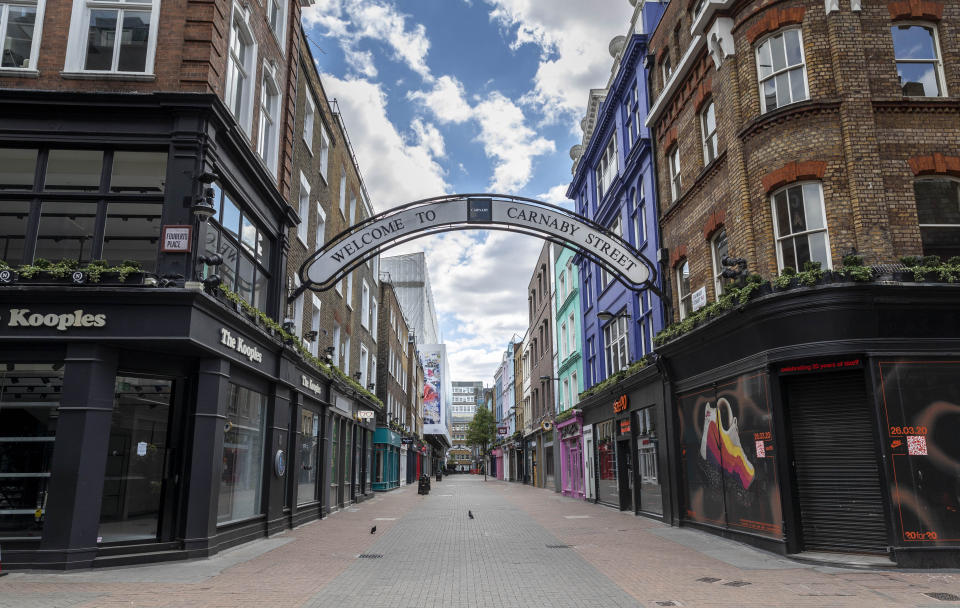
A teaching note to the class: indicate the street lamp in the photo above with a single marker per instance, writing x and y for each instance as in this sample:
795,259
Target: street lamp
606,316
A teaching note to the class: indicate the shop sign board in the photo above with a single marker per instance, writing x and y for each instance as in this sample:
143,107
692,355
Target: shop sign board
238,344
620,405
624,427
699,298
309,384
176,239
22,317
365,415
822,366
502,430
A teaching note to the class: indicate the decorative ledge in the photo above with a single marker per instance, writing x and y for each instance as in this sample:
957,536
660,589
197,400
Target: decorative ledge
108,76
19,73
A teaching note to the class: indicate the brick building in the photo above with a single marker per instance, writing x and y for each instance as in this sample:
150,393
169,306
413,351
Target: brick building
539,438
150,153
791,132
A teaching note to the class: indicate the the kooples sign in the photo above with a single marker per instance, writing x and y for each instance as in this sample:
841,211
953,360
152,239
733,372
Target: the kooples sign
451,214
308,383
236,343
22,317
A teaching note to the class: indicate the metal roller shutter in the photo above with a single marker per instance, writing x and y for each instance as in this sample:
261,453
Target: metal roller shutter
836,464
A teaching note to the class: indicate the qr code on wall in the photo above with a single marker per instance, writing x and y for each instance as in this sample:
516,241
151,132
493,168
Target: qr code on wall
917,445
761,451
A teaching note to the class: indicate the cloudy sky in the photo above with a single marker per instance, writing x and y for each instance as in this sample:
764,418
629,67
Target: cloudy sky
462,96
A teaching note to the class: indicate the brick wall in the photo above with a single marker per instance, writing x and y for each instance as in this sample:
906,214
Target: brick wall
855,134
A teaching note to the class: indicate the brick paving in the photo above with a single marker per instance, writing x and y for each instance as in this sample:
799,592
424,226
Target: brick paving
434,555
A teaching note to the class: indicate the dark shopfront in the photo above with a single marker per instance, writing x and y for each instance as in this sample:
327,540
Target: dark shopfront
835,431
629,459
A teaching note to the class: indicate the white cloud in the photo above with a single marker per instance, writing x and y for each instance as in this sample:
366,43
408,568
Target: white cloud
556,195
395,168
573,36
446,100
508,141
353,22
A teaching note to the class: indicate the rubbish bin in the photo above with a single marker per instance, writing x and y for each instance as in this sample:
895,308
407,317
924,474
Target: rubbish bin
423,487
439,475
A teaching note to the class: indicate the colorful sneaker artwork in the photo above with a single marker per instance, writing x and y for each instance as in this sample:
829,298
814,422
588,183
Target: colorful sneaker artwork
722,446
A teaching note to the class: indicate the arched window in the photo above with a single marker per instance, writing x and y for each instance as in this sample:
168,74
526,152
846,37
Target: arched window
938,213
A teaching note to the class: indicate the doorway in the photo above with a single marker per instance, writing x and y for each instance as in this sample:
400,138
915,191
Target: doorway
134,482
836,464
625,474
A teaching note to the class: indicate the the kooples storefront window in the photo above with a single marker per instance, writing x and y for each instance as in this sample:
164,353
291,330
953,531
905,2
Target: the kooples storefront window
81,205
651,498
241,477
309,456
245,249
607,490
29,398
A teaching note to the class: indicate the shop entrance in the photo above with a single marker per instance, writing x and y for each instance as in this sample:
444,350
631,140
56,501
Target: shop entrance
134,484
836,464
625,474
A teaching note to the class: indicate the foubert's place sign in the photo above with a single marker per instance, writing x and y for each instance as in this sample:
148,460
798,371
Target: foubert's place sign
496,212
22,317
237,343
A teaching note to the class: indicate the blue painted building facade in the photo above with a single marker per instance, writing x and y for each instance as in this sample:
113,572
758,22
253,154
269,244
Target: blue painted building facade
614,185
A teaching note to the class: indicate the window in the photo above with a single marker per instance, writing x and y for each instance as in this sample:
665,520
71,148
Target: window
315,326
708,125
343,192
245,248
353,209
304,209
675,182
572,344
277,17
562,289
938,212
782,74
373,372
616,228
616,349
309,456
21,30
309,117
349,294
564,393
111,36
631,120
241,474
241,68
563,340
337,351
718,245
346,355
324,159
666,69
365,304
683,289
364,364
800,226
373,316
575,387
297,310
917,53
269,119
607,169
320,237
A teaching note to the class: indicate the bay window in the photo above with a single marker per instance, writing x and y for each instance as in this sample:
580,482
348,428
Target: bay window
20,25
113,36
782,70
800,226
917,53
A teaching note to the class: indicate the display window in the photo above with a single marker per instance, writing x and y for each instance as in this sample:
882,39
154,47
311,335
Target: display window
607,489
241,475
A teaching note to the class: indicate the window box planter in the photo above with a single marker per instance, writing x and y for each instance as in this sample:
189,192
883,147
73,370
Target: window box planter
44,277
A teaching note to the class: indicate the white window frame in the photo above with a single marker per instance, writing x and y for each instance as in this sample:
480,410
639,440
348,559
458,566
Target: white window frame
353,209
778,238
607,168
297,310
349,295
324,160
76,54
304,199
563,341
346,355
718,267
710,138
938,61
309,121
572,344
682,297
343,192
320,234
616,344
773,74
279,27
39,7
364,365
676,181
337,351
364,304
373,315
315,325
240,26
575,386
268,139
373,371
934,178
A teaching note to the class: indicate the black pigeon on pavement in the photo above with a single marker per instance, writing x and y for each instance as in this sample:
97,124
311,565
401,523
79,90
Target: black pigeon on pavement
470,513
373,530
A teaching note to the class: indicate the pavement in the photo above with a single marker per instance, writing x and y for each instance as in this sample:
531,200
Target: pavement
525,547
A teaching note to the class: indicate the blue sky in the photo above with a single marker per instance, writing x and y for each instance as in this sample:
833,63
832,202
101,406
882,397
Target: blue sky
446,96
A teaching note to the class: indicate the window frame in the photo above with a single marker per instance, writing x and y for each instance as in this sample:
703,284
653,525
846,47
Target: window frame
309,121
718,267
778,238
938,61
616,345
241,17
773,74
279,28
38,15
673,163
607,167
268,145
304,209
934,178
78,35
710,139
681,296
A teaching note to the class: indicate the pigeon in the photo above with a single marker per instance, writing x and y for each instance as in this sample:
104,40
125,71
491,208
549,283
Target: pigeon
373,530
470,513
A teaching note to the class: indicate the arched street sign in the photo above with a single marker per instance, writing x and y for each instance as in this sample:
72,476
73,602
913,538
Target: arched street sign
383,231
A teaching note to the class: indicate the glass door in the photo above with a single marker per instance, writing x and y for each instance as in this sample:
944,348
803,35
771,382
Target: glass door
133,482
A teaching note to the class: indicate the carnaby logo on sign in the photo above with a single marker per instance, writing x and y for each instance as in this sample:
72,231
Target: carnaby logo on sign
308,383
22,317
237,344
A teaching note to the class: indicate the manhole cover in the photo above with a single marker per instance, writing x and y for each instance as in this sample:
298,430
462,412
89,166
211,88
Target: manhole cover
370,556
708,579
737,584
944,597
558,546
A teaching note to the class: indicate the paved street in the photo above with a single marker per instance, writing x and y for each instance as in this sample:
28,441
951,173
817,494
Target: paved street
525,547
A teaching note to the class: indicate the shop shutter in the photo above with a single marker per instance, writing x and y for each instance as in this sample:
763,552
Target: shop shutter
836,463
